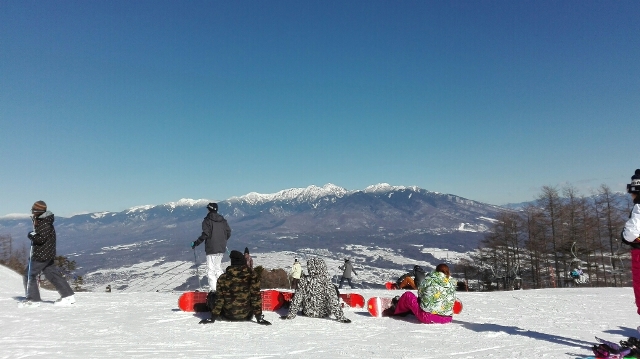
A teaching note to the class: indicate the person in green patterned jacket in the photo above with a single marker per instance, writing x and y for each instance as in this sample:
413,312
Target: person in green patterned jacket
434,303
237,296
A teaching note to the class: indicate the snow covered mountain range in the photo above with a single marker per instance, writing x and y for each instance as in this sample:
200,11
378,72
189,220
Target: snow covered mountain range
328,218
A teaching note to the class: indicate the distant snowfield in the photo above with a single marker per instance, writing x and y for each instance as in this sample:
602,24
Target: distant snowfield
158,275
549,323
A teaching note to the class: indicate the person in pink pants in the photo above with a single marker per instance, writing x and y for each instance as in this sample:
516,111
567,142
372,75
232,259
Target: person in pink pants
434,303
408,302
631,234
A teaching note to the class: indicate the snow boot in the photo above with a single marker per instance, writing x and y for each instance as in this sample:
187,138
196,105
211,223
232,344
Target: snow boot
28,303
66,301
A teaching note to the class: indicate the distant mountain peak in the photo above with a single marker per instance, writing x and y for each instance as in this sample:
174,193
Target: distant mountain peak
310,193
139,208
382,188
188,202
16,216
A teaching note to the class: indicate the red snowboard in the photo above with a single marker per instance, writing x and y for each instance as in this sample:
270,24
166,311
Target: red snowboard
352,300
193,302
197,301
377,305
391,285
274,299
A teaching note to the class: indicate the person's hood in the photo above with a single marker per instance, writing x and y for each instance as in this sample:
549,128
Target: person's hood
238,271
48,215
440,278
317,267
215,217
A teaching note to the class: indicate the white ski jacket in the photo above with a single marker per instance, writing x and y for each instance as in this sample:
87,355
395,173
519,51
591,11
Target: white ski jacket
631,230
296,271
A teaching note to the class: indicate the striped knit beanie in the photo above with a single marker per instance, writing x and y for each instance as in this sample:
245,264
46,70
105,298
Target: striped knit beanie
39,207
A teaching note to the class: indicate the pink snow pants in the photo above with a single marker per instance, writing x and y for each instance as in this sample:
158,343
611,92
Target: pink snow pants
408,302
635,274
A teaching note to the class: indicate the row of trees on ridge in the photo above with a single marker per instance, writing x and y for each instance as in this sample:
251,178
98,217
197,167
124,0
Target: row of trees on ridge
541,244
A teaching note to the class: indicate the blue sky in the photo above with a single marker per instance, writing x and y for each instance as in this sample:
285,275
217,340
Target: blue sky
106,105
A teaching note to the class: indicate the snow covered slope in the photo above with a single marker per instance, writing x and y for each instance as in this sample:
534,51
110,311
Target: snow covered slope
551,323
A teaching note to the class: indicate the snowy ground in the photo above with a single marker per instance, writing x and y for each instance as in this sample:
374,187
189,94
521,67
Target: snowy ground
550,323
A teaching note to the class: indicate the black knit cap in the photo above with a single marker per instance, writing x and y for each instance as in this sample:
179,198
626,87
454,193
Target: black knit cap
634,186
237,258
246,250
212,207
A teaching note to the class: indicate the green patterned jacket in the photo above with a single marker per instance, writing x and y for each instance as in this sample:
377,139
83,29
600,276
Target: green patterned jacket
437,293
238,294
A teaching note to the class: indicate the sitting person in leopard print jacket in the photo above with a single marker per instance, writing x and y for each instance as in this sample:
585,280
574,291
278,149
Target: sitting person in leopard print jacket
316,296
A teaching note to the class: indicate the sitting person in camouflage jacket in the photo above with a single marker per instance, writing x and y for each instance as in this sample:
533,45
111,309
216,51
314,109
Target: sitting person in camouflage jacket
238,293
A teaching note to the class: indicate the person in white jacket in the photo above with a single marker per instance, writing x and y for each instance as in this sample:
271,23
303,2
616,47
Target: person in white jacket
631,234
296,272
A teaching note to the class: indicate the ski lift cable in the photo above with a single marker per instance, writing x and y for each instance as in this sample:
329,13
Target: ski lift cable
575,257
494,273
619,270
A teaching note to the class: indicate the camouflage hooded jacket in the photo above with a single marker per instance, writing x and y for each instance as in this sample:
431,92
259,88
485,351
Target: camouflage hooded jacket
437,293
238,294
316,295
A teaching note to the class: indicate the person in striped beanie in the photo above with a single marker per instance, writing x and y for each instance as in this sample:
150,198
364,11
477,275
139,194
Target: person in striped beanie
43,253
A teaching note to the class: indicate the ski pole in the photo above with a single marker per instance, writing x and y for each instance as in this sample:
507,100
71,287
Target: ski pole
195,262
33,221
29,272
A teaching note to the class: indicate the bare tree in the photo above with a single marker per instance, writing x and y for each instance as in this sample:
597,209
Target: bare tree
5,247
550,202
611,220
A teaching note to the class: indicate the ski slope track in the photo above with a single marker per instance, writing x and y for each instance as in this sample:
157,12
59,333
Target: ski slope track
549,323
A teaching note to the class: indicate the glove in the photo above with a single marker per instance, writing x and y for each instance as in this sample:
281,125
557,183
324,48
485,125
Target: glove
260,320
193,245
32,235
207,321
344,320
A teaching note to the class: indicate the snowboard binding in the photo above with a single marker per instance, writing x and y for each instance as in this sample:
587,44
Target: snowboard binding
610,350
633,344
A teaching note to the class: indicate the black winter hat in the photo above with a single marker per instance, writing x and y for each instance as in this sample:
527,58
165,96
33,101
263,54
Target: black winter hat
634,186
237,258
212,207
246,250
